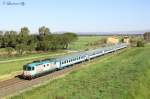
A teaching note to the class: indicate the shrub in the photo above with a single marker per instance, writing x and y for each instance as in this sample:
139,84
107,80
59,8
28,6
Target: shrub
140,43
137,42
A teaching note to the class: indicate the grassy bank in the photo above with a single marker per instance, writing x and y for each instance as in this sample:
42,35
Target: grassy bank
121,76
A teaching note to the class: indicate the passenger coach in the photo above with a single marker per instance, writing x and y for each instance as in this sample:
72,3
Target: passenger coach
38,68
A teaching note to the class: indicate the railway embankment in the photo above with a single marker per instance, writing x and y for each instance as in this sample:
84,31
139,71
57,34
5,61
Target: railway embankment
118,76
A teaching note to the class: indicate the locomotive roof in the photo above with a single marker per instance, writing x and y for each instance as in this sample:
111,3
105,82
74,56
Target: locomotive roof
36,63
61,58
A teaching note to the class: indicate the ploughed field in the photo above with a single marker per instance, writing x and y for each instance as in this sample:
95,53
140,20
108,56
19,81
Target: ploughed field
11,66
124,75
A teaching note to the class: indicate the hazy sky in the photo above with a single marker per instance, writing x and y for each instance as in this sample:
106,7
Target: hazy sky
77,15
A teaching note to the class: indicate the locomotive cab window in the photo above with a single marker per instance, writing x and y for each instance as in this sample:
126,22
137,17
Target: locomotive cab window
29,68
32,68
24,67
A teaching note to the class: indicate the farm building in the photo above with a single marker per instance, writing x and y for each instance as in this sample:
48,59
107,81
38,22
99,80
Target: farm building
126,40
112,40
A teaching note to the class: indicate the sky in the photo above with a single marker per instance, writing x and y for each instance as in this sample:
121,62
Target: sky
76,15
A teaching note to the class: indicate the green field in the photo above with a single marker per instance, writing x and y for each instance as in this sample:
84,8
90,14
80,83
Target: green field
123,75
83,41
9,69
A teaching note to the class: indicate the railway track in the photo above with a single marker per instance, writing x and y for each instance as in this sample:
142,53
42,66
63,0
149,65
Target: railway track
15,85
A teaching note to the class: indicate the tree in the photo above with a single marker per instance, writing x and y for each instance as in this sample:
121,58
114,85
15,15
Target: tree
147,36
43,31
6,39
140,43
68,38
32,42
12,39
103,41
23,35
137,42
1,32
1,40
43,45
20,48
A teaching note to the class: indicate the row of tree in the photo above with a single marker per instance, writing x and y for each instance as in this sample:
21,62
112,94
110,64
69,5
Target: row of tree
147,36
140,41
24,41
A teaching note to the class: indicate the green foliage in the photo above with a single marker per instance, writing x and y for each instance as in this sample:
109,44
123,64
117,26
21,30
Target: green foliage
147,36
137,42
25,42
121,39
9,50
43,31
21,49
119,76
68,38
23,36
140,43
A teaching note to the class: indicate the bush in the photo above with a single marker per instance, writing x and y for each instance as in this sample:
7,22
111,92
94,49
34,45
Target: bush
137,42
9,50
140,43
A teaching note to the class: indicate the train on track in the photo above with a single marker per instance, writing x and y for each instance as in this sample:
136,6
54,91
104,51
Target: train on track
38,68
